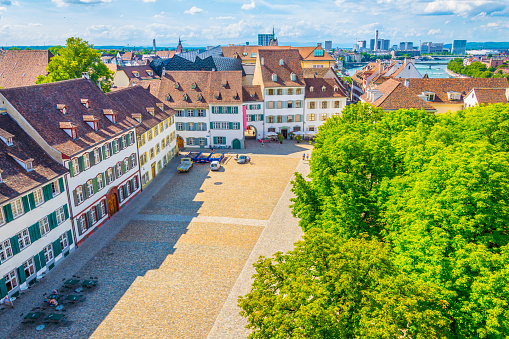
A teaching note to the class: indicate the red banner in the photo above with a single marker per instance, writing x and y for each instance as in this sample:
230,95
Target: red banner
244,116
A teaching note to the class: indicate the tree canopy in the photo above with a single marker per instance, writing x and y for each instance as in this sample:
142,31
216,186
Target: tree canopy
476,69
71,61
432,191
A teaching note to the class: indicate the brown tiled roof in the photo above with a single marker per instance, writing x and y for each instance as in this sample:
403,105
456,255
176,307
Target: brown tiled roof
37,105
5,134
165,54
315,72
239,51
136,100
271,58
67,124
252,93
396,96
441,86
490,95
21,68
143,72
90,118
127,56
15,179
208,86
323,88
308,54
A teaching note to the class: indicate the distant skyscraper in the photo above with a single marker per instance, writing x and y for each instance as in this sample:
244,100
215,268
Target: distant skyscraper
265,39
154,44
402,46
372,44
409,46
385,45
459,47
361,43
328,45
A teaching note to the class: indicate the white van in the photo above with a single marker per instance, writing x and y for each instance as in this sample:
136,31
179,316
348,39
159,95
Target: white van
215,166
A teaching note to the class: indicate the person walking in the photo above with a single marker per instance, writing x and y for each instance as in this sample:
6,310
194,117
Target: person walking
303,156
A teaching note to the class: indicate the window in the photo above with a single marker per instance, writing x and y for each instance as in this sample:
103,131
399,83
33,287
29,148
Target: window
124,140
202,141
298,104
116,145
106,151
279,104
133,160
190,141
79,195
290,90
63,240
166,123
17,208
168,139
121,193
248,118
190,112
180,126
279,118
135,183
323,116
152,153
201,126
55,188
201,112
90,188
60,215
297,118
38,198
311,117
86,161
312,105
221,140
48,253
298,91
158,149
29,267
23,239
11,280
119,169
318,53
311,129
128,191
180,113
102,206
289,104
258,117
272,129
44,226
2,218
293,77
75,166
324,104
289,118
190,126
109,173
274,77
271,104
270,119
100,183
279,91
126,163
162,144
156,131
225,109
93,216
5,250
82,224
337,104
271,91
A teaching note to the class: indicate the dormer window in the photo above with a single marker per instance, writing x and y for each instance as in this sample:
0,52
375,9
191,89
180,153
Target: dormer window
70,128
177,85
274,77
193,86
136,74
185,97
111,115
91,121
430,96
244,54
225,84
6,137
293,77
85,102
253,55
137,117
253,94
336,88
200,98
151,110
217,96
311,88
62,108
151,73
168,97
318,53
281,62
160,105
453,96
323,88
28,165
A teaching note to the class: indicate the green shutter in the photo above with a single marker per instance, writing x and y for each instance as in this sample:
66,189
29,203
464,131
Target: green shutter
57,248
69,237
259,106
230,125
26,206
261,116
15,244
110,146
81,164
71,170
52,218
3,288
37,263
220,109
31,201
228,109
35,232
120,143
215,140
122,165
211,125
98,211
103,150
253,117
95,185
128,139
47,192
42,258
266,104
85,191
21,274
66,212
61,184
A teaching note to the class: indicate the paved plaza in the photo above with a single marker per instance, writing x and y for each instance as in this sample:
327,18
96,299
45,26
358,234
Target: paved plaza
173,263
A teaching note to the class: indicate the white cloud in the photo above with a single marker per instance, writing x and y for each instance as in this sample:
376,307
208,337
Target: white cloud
465,7
434,31
247,7
160,15
149,0
62,3
2,9
193,10
224,18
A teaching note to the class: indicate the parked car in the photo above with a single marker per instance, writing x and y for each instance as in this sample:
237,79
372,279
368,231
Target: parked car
185,165
215,166
243,159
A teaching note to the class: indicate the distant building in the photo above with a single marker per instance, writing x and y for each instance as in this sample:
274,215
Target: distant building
383,44
459,47
265,39
406,46
361,43
328,45
431,47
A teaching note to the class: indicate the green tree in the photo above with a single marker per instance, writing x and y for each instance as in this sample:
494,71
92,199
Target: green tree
14,49
331,288
72,60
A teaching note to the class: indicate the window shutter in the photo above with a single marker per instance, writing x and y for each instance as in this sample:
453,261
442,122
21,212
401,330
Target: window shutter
253,117
57,248
52,219
121,143
113,148
230,125
204,113
228,109
103,148
81,164
60,184
21,274
37,263
47,192
259,106
42,258
128,139
31,233
89,220
285,104
31,201
85,191
66,212
125,190
110,145
15,244
211,125
122,165
206,141
3,288
99,211
69,237
266,104
285,118
215,140
26,206
187,141
105,178
261,115
75,197
91,158
71,170
94,184
130,162
220,109
8,213
197,141
35,232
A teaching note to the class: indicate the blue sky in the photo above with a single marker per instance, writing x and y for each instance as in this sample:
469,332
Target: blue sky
205,22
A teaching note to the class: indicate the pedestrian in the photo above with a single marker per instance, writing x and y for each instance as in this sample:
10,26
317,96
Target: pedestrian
303,156
7,301
307,156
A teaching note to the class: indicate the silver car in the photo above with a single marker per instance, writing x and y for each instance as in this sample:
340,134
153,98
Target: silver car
243,159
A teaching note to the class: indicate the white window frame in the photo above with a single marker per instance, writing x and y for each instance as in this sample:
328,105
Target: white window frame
2,218
118,168
109,172
82,223
38,197
5,250
90,188
75,166
201,113
133,160
11,278
107,153
190,141
97,158
17,208
79,195
86,161
93,215
180,126
23,239
221,140
48,253
64,240
44,226
116,146
60,215
29,267
100,183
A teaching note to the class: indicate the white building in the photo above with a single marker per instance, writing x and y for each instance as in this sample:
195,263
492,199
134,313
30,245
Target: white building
254,105
35,228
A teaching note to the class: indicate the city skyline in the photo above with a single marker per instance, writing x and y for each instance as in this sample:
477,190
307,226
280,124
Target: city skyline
199,23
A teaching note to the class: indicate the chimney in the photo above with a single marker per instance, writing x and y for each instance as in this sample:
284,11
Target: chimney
163,73
319,44
407,83
406,61
262,61
85,75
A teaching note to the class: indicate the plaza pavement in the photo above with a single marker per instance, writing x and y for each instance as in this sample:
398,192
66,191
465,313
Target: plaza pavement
173,263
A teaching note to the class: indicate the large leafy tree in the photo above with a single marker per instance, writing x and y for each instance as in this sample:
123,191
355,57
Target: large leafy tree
331,288
71,61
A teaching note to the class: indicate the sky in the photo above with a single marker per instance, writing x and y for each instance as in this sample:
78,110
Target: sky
207,22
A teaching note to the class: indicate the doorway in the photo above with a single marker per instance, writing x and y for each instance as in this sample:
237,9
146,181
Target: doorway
250,132
180,142
112,204
236,144
153,170
284,132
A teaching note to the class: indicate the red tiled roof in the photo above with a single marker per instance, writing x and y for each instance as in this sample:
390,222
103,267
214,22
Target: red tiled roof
5,134
292,64
490,95
142,71
165,54
90,118
252,93
323,88
21,68
67,125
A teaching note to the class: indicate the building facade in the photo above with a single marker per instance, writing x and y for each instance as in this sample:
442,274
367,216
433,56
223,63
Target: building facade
459,47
